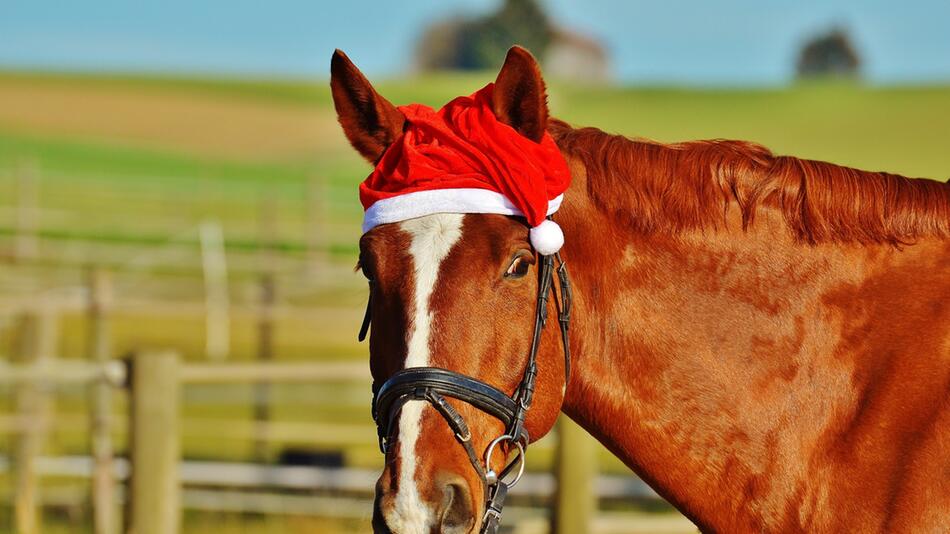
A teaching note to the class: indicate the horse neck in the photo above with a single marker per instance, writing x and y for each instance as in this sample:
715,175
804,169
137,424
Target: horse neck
705,361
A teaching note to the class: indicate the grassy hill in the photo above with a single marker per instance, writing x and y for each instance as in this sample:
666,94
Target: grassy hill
900,129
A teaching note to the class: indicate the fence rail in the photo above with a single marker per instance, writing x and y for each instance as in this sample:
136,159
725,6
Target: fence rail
319,479
275,372
67,371
63,371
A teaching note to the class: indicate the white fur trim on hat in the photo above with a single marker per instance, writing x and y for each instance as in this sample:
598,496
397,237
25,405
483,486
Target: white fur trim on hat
428,202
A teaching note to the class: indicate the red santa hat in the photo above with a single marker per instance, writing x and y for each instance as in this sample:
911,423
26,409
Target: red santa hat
462,159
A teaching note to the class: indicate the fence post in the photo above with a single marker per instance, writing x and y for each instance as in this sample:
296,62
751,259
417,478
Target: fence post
36,342
105,511
575,471
217,299
155,488
265,353
25,241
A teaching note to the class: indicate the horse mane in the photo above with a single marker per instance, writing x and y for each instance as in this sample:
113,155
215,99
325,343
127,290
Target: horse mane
657,187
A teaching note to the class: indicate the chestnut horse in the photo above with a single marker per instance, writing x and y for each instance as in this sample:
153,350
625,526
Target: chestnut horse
765,340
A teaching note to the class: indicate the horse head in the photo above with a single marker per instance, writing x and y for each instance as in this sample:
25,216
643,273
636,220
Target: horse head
454,292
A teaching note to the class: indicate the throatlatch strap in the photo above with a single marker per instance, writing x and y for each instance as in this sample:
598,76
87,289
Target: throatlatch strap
367,315
525,393
564,305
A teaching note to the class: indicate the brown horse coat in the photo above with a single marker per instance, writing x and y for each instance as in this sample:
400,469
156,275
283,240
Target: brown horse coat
766,340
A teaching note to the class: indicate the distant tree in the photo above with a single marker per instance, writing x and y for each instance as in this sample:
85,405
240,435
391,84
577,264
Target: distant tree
481,43
831,54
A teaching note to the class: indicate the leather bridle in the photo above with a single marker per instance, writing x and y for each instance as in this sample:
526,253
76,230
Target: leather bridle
433,385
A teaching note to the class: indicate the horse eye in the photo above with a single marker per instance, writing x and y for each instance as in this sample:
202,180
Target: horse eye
519,267
363,268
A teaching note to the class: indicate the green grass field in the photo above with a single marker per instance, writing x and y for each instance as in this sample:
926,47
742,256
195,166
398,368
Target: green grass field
126,168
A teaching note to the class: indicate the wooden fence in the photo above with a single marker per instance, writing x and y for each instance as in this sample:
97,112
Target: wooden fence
155,476
154,492
157,473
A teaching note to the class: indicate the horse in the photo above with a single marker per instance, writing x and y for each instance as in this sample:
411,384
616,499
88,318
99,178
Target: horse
762,339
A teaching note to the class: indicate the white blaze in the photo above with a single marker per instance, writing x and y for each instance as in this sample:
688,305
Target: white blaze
432,238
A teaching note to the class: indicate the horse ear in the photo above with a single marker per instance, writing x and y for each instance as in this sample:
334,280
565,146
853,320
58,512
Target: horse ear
519,99
370,122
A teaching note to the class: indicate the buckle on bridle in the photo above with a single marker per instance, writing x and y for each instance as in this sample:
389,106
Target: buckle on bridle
492,513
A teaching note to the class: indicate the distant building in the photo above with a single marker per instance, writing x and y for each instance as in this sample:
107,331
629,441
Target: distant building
576,57
476,43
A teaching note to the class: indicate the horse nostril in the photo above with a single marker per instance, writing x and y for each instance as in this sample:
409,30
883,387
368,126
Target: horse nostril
457,514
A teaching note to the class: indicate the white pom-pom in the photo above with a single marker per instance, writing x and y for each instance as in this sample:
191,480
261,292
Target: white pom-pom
547,237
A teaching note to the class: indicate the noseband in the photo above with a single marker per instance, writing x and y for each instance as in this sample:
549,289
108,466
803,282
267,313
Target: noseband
433,385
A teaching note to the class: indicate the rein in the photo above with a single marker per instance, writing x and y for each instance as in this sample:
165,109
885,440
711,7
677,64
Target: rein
432,384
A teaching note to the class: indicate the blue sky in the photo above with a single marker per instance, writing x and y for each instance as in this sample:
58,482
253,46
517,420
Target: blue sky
694,42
